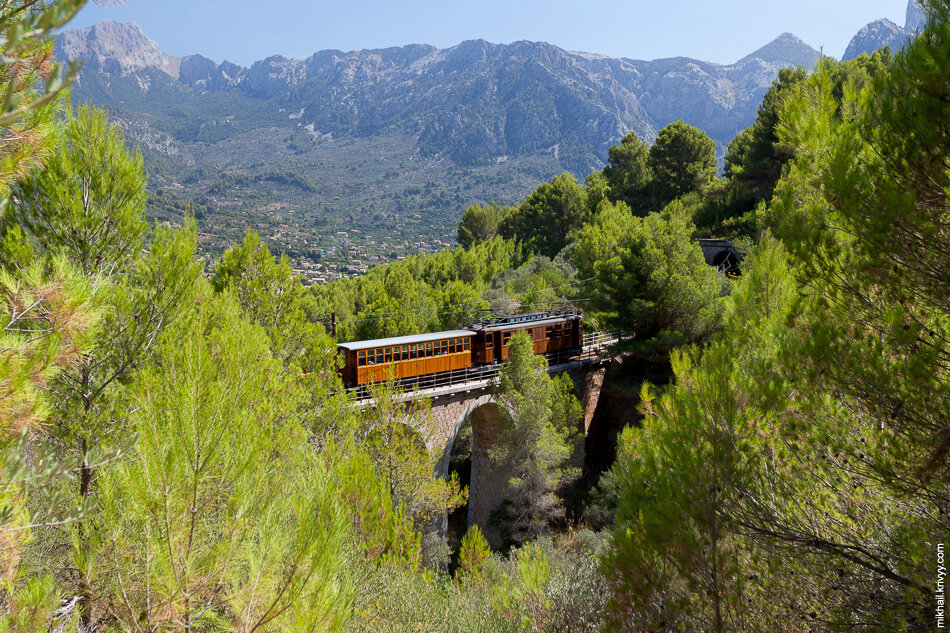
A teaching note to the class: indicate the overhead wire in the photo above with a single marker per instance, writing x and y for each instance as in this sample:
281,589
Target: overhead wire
438,311
379,316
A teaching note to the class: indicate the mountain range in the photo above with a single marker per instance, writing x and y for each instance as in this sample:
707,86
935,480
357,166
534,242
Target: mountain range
375,153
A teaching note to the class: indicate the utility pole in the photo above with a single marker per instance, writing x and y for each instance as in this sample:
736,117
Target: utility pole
333,324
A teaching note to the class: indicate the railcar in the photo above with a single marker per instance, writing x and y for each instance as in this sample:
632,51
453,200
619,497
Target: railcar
409,359
405,357
550,333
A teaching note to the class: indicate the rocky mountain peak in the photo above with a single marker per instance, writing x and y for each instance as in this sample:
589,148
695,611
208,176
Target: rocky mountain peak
875,35
916,17
785,49
115,49
881,33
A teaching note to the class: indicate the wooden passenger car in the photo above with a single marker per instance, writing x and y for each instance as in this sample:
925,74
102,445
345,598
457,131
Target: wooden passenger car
550,333
405,356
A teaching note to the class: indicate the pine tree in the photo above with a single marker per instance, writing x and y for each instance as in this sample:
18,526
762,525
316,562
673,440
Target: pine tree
395,433
541,416
87,207
651,279
26,63
223,518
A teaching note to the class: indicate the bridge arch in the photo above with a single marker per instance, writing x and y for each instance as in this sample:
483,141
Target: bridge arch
484,419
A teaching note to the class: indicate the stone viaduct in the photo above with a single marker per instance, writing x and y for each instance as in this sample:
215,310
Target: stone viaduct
474,403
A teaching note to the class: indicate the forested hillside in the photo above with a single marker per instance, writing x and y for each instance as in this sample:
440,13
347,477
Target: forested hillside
178,453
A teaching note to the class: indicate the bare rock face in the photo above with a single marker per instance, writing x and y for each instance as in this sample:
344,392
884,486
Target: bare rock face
474,103
916,17
115,49
877,35
785,49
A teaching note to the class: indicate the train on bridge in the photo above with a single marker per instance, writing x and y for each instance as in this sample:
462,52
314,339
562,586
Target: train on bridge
424,358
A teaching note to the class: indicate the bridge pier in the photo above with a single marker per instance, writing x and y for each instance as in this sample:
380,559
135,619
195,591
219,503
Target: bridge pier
478,407
587,385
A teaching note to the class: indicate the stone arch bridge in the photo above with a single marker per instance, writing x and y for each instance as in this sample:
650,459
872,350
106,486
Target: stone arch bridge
470,400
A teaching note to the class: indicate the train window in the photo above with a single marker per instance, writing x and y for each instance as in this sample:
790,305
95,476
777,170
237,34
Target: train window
379,356
445,347
458,345
388,355
489,341
451,346
467,343
549,332
362,358
428,349
405,352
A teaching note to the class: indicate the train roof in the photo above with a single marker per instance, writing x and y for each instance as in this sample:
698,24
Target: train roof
525,323
405,340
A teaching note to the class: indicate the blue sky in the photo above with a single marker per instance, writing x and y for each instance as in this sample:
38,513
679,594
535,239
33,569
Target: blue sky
722,31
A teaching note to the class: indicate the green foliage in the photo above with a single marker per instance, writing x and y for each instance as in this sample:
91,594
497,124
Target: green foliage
533,573
629,172
222,518
651,277
598,189
164,205
48,319
683,159
678,557
424,293
553,585
381,533
882,193
87,209
539,284
26,64
473,553
89,199
480,224
541,417
395,434
547,218
394,600
272,296
755,158
796,471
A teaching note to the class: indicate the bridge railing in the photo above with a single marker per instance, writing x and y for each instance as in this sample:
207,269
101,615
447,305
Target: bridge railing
594,344
600,340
